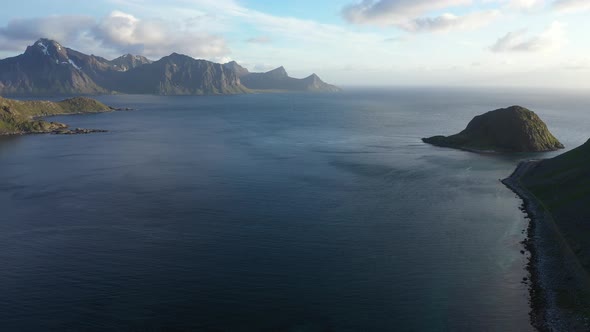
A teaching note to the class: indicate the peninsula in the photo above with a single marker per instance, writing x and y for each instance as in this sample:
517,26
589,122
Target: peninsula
512,129
23,117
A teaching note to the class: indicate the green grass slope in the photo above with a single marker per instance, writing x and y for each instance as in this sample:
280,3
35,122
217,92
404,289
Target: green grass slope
19,117
512,129
562,184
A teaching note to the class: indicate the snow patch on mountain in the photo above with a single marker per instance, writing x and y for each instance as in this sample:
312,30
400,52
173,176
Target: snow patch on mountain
43,48
74,64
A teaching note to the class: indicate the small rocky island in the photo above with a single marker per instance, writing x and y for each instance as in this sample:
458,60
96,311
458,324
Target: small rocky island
23,117
512,129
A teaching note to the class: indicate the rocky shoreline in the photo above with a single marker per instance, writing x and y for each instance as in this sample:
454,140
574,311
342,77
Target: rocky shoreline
65,131
557,279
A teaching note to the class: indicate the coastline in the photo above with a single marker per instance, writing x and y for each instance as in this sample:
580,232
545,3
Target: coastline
55,128
557,279
65,131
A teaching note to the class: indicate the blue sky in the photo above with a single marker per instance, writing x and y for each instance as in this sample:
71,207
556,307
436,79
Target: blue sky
347,42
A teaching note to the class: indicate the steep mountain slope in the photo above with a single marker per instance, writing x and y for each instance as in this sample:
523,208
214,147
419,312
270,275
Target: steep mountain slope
178,74
512,129
47,68
563,185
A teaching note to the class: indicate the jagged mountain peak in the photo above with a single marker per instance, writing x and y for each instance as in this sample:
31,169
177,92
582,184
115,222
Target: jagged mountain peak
278,72
237,68
47,42
47,47
49,51
49,68
129,61
175,55
134,57
313,77
176,58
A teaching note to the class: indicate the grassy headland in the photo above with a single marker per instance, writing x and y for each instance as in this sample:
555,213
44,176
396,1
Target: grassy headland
22,117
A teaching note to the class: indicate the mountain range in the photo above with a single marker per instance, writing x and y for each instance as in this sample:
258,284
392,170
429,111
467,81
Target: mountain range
48,68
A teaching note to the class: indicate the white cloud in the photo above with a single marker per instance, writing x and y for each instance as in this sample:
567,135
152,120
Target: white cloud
447,22
391,12
564,6
117,33
578,64
155,38
525,4
569,6
550,39
19,33
413,15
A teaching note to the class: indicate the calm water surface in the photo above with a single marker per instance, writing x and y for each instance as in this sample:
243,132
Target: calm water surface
269,213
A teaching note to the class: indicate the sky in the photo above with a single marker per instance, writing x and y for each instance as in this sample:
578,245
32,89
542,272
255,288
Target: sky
529,43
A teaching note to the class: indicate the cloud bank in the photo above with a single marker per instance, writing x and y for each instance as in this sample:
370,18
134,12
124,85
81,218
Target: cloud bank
550,39
118,32
417,15
569,6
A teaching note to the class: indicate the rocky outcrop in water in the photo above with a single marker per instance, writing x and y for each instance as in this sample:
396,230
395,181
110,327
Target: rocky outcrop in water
512,129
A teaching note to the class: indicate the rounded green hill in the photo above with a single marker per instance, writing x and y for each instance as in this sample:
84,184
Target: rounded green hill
512,129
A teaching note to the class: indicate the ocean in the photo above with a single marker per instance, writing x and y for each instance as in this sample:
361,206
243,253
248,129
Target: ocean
270,212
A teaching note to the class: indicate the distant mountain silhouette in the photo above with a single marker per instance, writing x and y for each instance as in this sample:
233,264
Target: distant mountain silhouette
278,79
48,68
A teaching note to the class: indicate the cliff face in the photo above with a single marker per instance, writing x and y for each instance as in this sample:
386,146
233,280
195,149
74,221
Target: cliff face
512,129
179,74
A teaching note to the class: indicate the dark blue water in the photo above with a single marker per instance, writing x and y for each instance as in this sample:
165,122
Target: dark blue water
269,213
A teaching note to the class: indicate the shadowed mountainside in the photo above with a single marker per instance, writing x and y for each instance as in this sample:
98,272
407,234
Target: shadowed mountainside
563,185
556,193
178,74
48,68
